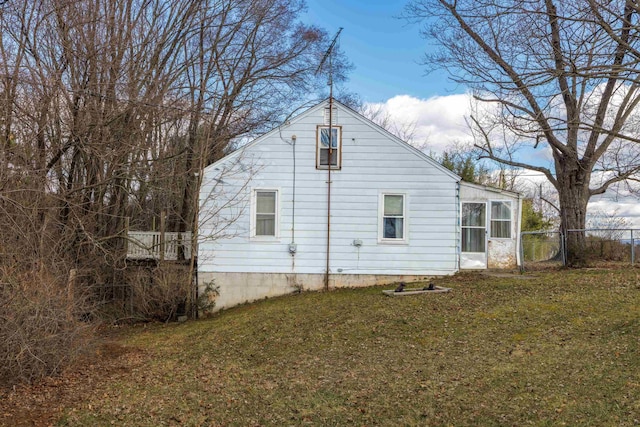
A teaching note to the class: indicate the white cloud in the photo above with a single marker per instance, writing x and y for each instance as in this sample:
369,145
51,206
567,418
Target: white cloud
617,202
439,121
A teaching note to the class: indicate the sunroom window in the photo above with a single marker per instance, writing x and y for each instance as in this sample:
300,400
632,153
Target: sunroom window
501,220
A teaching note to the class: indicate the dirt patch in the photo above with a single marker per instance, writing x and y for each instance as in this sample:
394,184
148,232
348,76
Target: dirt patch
43,403
510,275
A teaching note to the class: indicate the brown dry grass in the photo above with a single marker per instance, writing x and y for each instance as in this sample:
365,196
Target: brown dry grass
557,348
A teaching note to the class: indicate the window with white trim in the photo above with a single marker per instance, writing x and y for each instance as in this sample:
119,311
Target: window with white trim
501,219
329,147
393,218
265,216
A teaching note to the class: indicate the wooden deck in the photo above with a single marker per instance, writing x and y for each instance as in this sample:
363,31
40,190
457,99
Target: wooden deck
147,245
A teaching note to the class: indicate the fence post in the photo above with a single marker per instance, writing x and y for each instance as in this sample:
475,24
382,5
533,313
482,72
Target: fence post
633,249
162,228
521,249
126,236
563,248
534,250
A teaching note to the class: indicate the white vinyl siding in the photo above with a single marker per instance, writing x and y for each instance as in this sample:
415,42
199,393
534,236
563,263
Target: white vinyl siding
373,163
501,219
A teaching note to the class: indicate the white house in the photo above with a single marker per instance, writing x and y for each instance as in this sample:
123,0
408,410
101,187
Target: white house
284,213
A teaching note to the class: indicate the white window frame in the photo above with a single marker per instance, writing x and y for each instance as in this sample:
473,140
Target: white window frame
254,213
492,219
484,227
338,164
405,219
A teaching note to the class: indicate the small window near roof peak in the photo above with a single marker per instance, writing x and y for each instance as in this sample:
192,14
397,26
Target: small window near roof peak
334,116
329,147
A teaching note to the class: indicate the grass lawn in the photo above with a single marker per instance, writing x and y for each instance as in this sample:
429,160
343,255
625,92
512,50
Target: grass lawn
547,348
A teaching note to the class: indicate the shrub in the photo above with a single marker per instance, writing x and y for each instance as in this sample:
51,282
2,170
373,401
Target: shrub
206,301
607,249
159,293
40,327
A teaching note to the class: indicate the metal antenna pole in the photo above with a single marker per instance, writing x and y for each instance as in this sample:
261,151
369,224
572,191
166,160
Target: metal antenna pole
326,56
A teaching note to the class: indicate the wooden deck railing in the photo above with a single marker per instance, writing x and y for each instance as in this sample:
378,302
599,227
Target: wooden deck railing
149,245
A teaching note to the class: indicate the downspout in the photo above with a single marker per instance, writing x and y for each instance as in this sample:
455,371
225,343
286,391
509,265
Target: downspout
519,248
292,246
458,227
326,276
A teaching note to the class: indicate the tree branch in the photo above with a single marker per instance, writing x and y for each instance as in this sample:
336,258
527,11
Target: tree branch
488,149
538,114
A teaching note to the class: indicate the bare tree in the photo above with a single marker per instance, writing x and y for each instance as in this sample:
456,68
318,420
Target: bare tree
249,60
113,107
378,114
110,109
553,75
610,224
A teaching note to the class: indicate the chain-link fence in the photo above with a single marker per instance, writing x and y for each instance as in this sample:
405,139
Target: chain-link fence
542,249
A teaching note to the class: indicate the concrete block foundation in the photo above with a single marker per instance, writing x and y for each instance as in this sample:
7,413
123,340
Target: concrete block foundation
238,288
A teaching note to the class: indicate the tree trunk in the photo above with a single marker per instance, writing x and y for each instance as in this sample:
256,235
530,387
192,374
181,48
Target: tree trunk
573,192
185,220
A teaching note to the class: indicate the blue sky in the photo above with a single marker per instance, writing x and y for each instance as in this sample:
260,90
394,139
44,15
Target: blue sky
384,49
386,53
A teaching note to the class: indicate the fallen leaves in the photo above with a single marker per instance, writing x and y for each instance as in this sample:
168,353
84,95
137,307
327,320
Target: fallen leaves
495,351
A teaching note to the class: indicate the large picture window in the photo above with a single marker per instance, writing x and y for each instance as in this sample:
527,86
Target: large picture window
329,141
393,218
501,220
265,213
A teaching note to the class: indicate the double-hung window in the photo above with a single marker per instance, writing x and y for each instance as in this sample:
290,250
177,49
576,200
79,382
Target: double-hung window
393,224
329,147
265,216
501,220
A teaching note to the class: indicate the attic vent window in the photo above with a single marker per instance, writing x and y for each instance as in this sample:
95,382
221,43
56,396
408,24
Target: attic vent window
334,116
329,148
